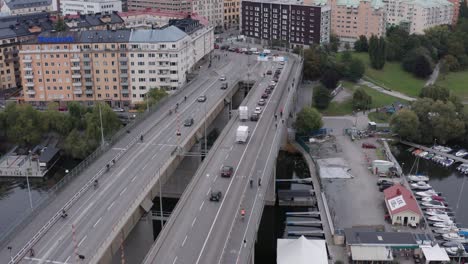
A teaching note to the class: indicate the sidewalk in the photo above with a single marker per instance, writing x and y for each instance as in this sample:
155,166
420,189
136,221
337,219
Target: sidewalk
385,91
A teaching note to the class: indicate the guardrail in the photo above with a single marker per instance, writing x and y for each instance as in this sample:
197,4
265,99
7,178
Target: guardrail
76,171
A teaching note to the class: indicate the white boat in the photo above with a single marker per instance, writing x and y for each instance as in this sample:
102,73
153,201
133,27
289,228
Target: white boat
428,193
432,213
423,154
445,149
461,153
439,218
453,237
444,230
418,178
454,251
443,224
420,186
447,162
434,204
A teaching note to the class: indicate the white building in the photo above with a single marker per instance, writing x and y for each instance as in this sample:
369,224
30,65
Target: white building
213,11
21,7
72,7
419,15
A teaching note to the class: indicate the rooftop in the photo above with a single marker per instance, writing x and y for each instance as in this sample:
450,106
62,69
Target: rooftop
161,14
291,2
91,20
367,236
19,4
167,34
90,36
188,25
24,25
400,199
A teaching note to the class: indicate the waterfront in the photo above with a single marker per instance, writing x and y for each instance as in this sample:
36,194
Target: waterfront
452,184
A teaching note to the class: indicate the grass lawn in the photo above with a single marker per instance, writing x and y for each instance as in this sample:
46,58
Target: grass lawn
379,117
455,82
392,76
346,107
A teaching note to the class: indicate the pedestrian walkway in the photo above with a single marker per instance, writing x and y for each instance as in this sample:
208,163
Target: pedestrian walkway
386,91
457,159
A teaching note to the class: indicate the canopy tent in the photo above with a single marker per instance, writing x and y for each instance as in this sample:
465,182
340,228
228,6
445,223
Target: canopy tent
435,253
371,253
301,251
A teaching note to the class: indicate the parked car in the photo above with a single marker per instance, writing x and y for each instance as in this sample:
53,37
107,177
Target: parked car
118,109
258,110
261,102
382,187
201,98
384,182
224,86
215,196
269,72
216,46
222,78
264,96
268,90
188,122
254,117
226,171
368,146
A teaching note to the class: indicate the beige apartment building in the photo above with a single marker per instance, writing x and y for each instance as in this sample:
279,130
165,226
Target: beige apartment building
183,6
231,14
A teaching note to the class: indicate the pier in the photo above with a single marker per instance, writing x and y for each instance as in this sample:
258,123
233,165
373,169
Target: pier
457,159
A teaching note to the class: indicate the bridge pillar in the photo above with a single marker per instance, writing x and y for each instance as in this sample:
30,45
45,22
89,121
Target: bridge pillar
270,195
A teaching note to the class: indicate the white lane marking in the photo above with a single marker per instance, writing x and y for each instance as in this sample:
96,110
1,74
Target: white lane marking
194,220
154,156
97,222
110,206
201,206
82,240
227,156
185,239
67,259
133,179
209,190
175,259
144,167
123,191
207,175
119,148
44,260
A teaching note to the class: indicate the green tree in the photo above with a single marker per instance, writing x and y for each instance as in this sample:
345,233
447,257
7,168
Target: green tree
446,123
451,62
377,53
314,62
330,78
110,122
155,95
361,100
356,70
406,124
76,146
418,62
60,25
435,93
23,124
308,120
361,45
322,97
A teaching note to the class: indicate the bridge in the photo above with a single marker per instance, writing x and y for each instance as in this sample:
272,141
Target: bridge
100,219
200,231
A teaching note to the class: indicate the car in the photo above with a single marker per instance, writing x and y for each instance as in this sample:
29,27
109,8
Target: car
254,117
384,182
226,171
258,110
280,67
282,63
268,90
224,47
224,86
118,109
264,96
382,187
238,50
232,49
255,52
275,79
188,122
248,52
261,102
215,196
222,78
269,72
216,46
368,145
201,98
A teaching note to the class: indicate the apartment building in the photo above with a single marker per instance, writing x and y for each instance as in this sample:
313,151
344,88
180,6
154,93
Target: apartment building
22,7
231,14
13,30
419,15
183,6
73,7
115,66
282,22
353,18
212,10
98,21
152,18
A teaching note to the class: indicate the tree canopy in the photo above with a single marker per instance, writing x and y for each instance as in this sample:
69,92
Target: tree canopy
308,120
321,97
361,100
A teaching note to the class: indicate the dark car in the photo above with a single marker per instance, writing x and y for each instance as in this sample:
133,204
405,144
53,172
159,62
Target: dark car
224,86
224,47
268,90
226,171
188,122
215,196
269,72
254,117
278,71
232,49
275,79
248,52
384,182
264,96
382,187
201,98
368,146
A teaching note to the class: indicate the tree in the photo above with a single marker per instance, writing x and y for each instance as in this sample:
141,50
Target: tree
355,70
418,62
361,44
110,122
155,95
406,124
314,62
322,97
308,120
361,100
334,43
377,52
75,145
451,62
330,78
60,25
435,93
23,124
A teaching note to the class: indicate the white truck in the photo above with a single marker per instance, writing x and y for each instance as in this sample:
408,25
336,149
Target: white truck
242,134
243,113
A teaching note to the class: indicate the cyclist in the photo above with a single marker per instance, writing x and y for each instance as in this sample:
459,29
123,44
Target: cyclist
242,213
251,183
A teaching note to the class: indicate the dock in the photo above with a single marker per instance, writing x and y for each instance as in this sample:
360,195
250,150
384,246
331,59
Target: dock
457,159
304,214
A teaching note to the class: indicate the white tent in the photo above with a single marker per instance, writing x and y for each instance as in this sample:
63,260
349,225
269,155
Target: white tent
301,251
435,253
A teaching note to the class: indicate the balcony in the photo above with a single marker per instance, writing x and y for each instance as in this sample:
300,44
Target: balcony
88,75
27,60
89,83
75,59
76,68
77,84
125,91
123,58
74,75
12,59
30,92
28,76
123,66
88,59
27,69
89,92
77,91
124,75
87,67
30,84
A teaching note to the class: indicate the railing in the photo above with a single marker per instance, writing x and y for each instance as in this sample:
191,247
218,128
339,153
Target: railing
27,216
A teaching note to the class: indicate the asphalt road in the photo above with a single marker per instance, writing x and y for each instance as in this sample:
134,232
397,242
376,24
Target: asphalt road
92,218
213,232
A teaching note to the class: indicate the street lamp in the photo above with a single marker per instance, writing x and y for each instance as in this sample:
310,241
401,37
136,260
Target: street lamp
102,129
27,182
11,257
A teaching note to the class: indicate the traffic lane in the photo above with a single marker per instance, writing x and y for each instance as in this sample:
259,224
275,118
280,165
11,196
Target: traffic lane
192,212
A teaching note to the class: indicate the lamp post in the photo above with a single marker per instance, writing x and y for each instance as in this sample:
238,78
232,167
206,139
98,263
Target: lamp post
102,129
27,182
160,197
206,141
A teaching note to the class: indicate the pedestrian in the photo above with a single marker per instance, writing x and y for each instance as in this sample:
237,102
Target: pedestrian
281,113
245,243
259,182
276,117
282,121
31,252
